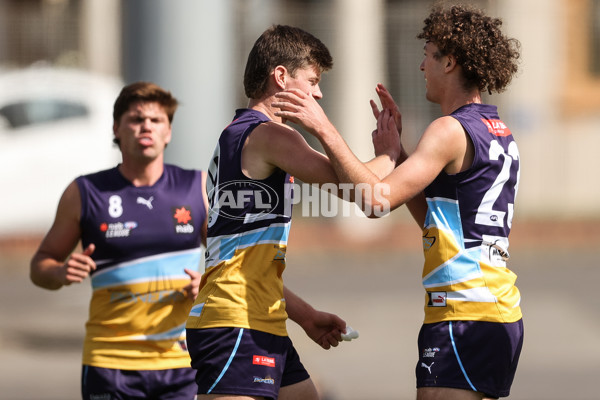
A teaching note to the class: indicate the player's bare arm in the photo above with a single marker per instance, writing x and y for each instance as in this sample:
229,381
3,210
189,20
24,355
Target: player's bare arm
302,109
442,147
324,328
273,145
53,265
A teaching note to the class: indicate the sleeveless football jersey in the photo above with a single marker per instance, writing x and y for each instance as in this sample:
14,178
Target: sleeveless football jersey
248,228
465,236
145,237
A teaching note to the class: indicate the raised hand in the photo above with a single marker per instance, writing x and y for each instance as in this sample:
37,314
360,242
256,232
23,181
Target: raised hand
386,140
387,102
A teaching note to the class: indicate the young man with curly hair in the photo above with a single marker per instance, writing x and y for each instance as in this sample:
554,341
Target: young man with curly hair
460,185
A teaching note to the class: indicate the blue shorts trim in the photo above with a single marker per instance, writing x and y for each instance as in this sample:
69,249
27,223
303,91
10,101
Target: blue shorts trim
237,344
462,368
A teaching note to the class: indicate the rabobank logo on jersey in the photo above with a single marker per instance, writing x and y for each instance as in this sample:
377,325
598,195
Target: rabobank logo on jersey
240,199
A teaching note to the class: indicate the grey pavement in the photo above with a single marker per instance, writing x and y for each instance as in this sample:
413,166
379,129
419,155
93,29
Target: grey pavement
377,292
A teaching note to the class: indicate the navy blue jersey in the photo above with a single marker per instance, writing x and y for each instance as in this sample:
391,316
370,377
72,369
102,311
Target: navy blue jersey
144,237
248,228
465,236
237,203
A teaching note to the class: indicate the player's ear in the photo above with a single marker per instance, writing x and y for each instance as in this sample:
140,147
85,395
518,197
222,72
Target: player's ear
450,62
280,76
168,137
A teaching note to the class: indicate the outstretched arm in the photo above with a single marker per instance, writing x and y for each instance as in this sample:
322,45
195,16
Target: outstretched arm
322,327
442,145
303,109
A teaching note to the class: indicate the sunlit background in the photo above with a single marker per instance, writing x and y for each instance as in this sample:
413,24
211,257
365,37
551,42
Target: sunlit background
63,62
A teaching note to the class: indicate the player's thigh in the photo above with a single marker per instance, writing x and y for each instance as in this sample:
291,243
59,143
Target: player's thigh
304,390
443,393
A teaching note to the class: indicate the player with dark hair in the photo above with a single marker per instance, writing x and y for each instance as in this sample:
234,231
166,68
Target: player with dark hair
460,186
237,332
141,225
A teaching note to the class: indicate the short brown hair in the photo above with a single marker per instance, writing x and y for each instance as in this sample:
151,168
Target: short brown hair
487,57
284,45
147,92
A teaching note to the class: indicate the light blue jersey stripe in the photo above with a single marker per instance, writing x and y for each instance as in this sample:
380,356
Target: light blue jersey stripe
169,265
463,267
445,215
176,333
223,248
266,235
196,310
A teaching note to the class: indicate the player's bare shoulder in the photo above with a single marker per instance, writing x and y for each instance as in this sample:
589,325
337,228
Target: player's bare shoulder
456,145
276,128
272,135
446,125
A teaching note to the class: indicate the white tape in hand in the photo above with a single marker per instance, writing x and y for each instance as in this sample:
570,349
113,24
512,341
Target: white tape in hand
350,334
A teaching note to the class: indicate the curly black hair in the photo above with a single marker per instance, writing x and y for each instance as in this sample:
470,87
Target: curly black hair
488,58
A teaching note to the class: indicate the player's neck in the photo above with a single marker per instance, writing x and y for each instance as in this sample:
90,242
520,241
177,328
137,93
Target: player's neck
454,102
142,174
264,106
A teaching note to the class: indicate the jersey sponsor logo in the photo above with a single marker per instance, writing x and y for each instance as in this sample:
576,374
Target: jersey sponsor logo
496,127
182,217
118,229
436,299
430,352
146,202
263,360
268,380
428,367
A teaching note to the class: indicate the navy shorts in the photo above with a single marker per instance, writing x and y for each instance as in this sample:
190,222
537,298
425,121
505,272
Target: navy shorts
242,361
120,384
471,355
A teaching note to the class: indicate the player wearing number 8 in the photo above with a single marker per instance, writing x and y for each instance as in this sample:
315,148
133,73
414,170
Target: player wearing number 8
140,225
460,186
